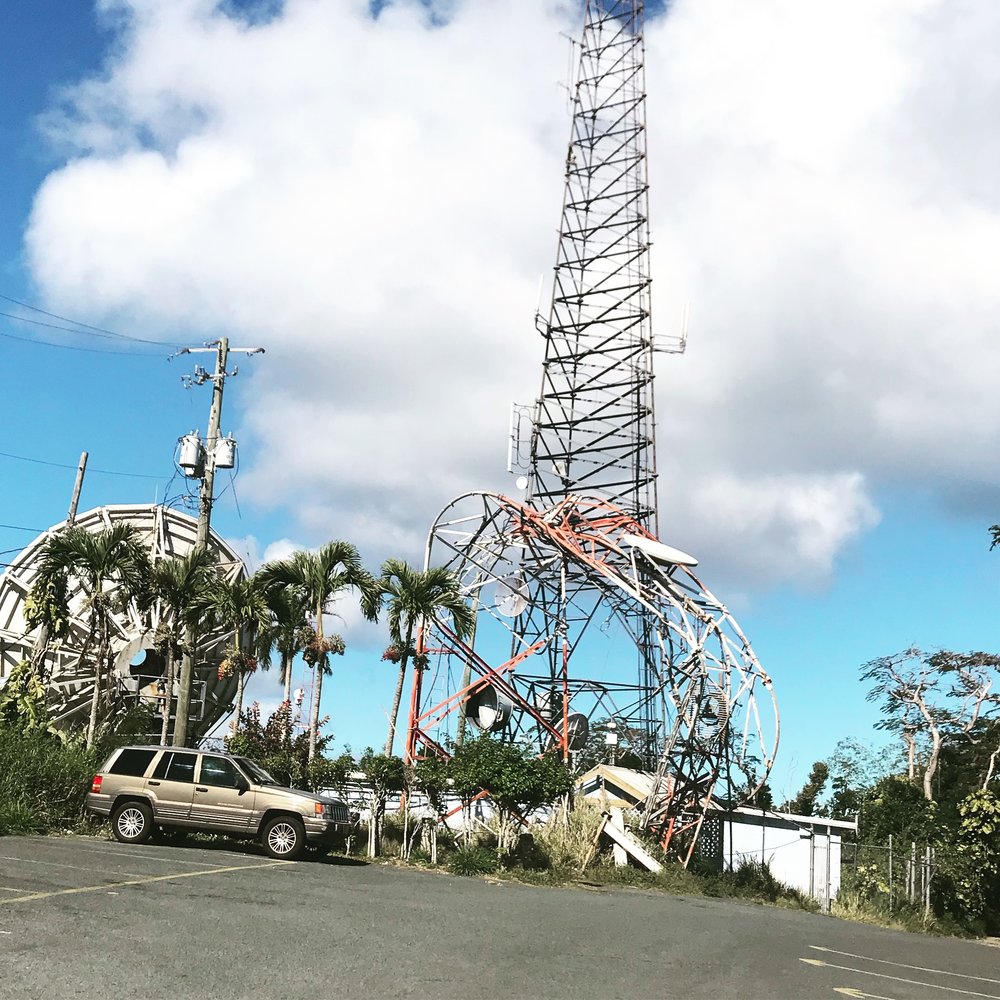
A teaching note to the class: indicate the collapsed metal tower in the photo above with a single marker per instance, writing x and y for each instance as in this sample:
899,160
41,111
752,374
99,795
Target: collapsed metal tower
583,616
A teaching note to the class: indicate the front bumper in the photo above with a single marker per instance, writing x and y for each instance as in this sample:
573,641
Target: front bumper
325,831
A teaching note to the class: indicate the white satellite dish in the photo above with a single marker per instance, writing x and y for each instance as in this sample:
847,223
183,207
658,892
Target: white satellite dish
512,595
521,482
658,551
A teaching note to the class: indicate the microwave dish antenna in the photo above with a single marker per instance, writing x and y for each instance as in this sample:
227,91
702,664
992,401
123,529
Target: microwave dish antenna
136,673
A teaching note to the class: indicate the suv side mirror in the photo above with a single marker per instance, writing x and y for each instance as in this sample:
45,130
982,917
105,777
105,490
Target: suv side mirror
242,785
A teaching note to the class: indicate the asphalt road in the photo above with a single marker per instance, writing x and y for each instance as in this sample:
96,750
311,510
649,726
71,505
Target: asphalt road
92,918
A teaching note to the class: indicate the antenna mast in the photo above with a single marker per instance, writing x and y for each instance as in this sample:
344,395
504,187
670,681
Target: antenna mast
593,430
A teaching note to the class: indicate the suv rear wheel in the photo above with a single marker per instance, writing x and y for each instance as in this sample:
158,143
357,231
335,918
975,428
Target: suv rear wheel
132,822
284,838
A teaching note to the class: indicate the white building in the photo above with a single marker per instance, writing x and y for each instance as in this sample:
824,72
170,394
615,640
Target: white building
801,851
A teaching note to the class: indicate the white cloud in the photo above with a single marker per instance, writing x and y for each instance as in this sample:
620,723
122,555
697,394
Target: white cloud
248,548
374,200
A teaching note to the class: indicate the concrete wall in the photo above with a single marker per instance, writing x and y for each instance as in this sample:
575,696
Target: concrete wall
795,856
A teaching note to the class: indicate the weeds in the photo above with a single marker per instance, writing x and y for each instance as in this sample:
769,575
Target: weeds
43,781
472,861
570,841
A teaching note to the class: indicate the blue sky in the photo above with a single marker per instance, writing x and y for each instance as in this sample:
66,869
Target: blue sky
375,207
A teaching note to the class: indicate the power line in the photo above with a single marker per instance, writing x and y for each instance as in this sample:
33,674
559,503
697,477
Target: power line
76,326
19,527
61,465
69,347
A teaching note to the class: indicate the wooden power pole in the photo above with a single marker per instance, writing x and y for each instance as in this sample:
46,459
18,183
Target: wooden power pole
222,350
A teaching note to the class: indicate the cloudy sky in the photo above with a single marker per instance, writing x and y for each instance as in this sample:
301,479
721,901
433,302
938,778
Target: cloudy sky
373,195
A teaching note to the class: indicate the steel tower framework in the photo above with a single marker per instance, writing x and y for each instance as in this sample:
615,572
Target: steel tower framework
552,575
593,430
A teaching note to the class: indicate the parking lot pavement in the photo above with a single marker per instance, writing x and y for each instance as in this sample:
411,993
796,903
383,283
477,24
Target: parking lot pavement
90,918
35,868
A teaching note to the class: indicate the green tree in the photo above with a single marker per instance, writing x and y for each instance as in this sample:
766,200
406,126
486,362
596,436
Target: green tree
895,807
384,773
938,698
763,798
177,584
855,768
112,570
22,699
240,607
978,845
322,576
285,756
289,632
804,804
517,781
432,776
413,596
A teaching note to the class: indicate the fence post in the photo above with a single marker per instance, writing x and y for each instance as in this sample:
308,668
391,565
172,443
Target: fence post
829,851
890,873
927,878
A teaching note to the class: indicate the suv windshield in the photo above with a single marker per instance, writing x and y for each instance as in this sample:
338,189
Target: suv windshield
256,772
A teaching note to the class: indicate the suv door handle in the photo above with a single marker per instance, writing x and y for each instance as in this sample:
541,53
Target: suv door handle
201,789
152,782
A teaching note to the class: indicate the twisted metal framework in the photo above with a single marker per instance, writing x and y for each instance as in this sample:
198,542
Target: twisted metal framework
587,615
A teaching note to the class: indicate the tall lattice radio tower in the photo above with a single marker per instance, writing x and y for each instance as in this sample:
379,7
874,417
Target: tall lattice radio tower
585,620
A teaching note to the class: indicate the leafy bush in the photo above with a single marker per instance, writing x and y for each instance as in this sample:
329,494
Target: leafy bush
472,861
272,746
517,780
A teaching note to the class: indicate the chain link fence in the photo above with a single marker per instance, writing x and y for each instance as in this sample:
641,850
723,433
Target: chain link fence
896,874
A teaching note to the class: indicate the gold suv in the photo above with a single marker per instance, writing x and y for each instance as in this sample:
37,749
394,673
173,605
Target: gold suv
176,789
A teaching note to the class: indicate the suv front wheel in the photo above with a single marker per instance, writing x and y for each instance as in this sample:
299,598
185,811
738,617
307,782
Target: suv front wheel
132,822
284,838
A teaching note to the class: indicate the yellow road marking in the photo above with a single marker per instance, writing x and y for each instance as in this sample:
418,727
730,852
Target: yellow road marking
137,881
864,972
901,965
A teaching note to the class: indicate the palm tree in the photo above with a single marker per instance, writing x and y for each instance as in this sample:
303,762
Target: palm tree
112,570
415,595
177,584
289,632
241,607
321,576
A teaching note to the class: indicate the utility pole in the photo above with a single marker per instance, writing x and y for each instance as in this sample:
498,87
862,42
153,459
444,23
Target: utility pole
41,644
222,350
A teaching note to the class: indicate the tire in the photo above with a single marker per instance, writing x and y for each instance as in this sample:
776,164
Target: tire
132,822
284,838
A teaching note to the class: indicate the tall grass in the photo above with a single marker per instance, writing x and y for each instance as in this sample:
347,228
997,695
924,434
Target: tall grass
569,840
43,781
